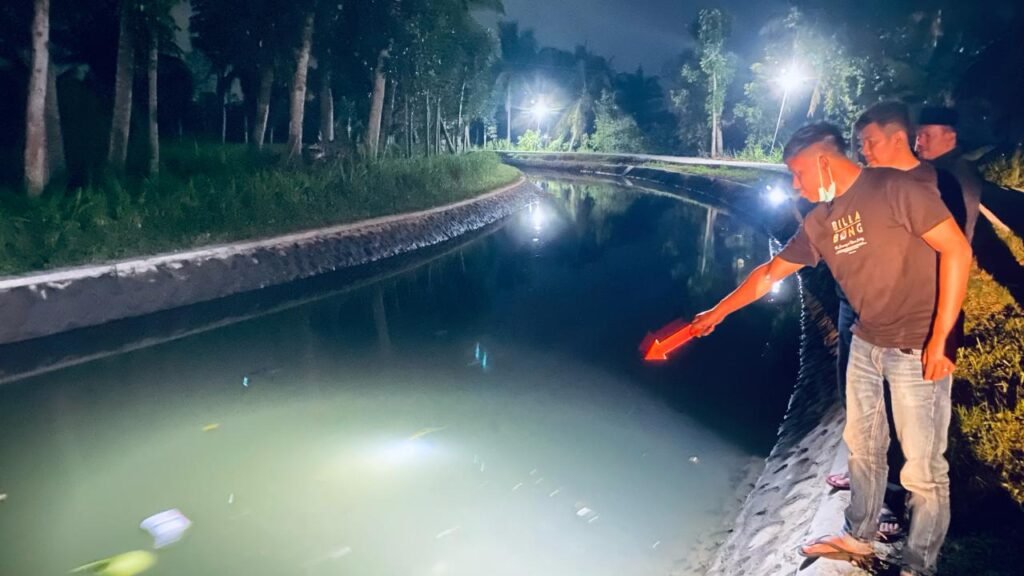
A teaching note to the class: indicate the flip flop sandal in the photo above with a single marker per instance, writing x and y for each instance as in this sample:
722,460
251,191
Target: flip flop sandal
839,481
832,550
889,536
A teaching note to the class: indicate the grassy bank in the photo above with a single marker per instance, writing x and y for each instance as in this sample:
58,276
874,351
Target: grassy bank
211,194
747,176
987,437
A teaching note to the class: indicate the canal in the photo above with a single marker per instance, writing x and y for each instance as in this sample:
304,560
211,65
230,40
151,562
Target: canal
484,411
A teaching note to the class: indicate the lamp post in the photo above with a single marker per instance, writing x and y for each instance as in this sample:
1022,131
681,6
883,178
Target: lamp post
791,79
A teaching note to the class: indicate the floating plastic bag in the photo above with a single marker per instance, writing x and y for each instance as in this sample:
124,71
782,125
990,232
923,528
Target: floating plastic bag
166,527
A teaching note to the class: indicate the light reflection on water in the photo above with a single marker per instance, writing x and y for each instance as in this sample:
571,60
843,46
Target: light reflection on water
367,434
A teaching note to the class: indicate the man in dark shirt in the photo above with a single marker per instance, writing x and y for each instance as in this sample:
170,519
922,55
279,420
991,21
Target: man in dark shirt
878,230
937,143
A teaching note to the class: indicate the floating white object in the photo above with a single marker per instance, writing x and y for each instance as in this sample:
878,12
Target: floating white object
694,460
166,527
583,512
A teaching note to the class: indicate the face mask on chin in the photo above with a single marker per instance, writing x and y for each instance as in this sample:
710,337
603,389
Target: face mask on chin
826,194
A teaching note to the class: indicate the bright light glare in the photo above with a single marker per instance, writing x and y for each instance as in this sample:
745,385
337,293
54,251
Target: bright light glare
776,196
777,287
537,219
791,78
401,452
540,109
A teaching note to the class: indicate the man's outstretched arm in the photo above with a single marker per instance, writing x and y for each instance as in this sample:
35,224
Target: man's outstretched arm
756,285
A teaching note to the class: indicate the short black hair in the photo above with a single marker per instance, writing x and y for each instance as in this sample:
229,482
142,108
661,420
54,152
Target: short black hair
811,134
939,116
885,114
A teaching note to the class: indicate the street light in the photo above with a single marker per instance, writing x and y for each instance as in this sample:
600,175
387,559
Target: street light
540,110
791,79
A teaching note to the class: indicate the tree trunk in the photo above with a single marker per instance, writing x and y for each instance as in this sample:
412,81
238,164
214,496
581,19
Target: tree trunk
462,97
326,109
508,113
298,99
224,89
714,116
426,126
388,130
376,105
117,153
448,140
153,166
259,128
408,127
35,111
437,128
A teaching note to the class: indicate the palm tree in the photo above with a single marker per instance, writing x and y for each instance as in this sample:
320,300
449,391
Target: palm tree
518,52
117,151
36,173
298,92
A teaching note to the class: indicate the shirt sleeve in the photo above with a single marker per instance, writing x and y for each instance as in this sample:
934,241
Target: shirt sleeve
916,205
799,249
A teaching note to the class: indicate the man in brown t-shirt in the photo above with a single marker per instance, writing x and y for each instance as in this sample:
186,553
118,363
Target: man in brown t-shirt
878,230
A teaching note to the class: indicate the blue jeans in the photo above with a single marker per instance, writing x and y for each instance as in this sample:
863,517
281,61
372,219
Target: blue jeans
844,326
921,411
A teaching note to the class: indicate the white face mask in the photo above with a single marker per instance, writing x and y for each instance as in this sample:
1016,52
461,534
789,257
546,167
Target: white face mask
826,194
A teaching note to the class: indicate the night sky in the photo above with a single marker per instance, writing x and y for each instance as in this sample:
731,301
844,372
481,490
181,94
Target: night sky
635,32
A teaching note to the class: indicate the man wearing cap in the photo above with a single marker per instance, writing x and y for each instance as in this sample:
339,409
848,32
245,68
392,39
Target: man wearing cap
937,143
879,231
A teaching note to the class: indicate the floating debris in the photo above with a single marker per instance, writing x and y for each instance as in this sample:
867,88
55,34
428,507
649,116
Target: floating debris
425,431
231,498
593,518
332,555
482,466
538,480
446,533
517,486
533,472
210,427
554,492
3,497
483,361
476,352
584,512
694,460
655,545
339,553
166,527
245,381
126,564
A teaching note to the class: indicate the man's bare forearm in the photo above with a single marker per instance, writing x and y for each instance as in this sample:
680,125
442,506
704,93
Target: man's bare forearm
954,268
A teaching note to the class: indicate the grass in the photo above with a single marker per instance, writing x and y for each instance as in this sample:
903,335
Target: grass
731,173
987,437
209,194
1006,170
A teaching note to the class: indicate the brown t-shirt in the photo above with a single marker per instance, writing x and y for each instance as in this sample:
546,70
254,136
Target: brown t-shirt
870,238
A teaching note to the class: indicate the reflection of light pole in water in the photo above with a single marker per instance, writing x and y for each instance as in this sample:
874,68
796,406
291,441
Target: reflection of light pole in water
709,238
380,320
791,79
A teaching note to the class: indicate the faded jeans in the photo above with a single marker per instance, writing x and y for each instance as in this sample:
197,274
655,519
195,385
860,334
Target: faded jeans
921,410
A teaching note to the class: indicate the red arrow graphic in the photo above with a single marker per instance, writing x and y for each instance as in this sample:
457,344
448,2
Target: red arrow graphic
666,341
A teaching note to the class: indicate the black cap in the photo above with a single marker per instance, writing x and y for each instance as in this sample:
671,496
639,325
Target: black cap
937,116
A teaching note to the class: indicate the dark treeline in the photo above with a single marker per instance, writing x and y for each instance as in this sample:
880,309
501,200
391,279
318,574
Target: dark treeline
91,87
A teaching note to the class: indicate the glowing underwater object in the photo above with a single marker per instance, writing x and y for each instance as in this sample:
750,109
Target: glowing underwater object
166,527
